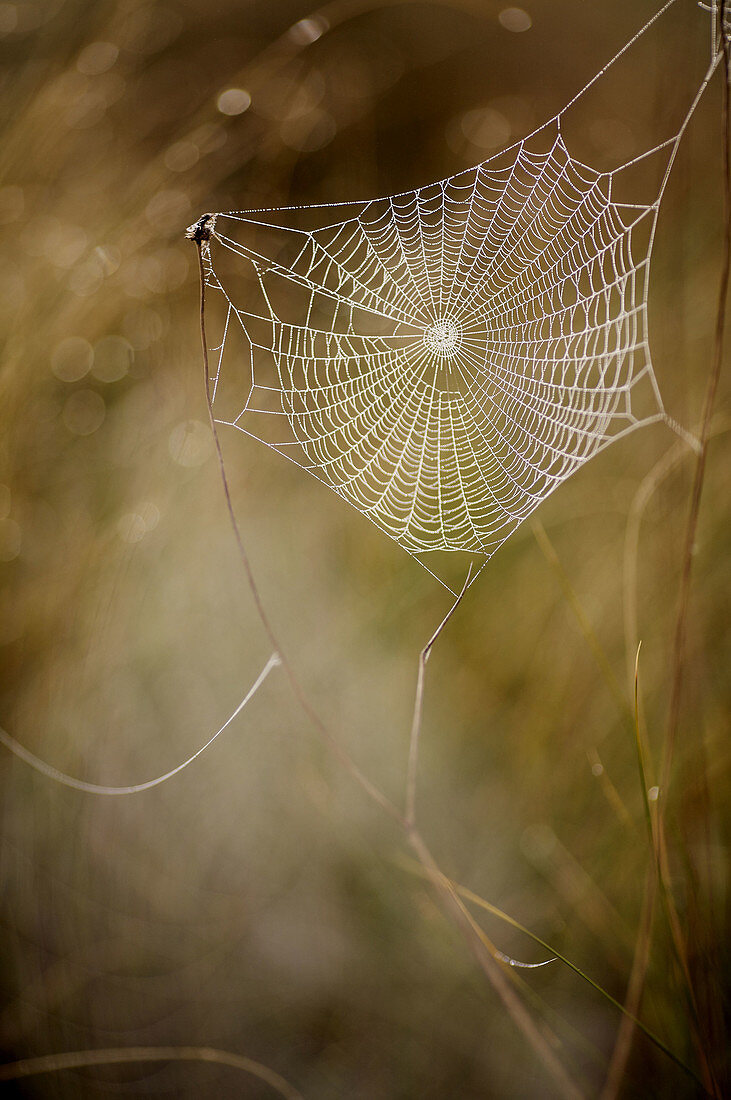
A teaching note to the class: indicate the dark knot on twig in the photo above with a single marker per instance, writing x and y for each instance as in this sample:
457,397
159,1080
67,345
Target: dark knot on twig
201,230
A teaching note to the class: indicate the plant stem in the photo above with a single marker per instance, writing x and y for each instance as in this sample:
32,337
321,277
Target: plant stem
418,707
83,1059
333,744
484,952
494,970
700,471
679,639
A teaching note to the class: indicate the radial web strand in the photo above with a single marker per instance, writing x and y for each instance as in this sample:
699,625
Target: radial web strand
443,358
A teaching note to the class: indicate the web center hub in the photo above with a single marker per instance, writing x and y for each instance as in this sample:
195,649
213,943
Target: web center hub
443,337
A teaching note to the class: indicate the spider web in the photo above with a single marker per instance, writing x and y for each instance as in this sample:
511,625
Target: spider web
444,358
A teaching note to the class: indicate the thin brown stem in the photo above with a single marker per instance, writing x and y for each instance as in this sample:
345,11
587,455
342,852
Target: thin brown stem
708,408
679,639
649,486
557,956
413,764
496,971
83,1059
332,742
486,954
635,989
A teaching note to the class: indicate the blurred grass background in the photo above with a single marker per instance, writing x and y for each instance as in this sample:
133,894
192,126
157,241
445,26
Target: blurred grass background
256,902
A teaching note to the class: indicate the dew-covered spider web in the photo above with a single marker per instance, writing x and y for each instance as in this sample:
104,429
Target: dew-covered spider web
444,358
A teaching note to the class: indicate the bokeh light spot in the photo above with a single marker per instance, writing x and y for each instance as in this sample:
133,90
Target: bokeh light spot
310,132
133,526
190,443
234,101
308,30
84,412
486,128
97,58
515,19
143,327
113,356
181,156
150,514
86,279
72,359
167,209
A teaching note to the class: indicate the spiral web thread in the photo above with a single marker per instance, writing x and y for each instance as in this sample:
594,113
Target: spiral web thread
444,358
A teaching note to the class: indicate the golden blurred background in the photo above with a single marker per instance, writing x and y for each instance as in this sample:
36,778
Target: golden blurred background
258,902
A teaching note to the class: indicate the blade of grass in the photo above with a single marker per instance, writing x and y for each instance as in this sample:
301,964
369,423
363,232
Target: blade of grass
656,835
641,754
475,899
501,976
641,960
679,640
635,990
114,1056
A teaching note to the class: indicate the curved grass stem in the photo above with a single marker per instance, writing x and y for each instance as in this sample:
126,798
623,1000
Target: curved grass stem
499,974
679,638
116,1056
